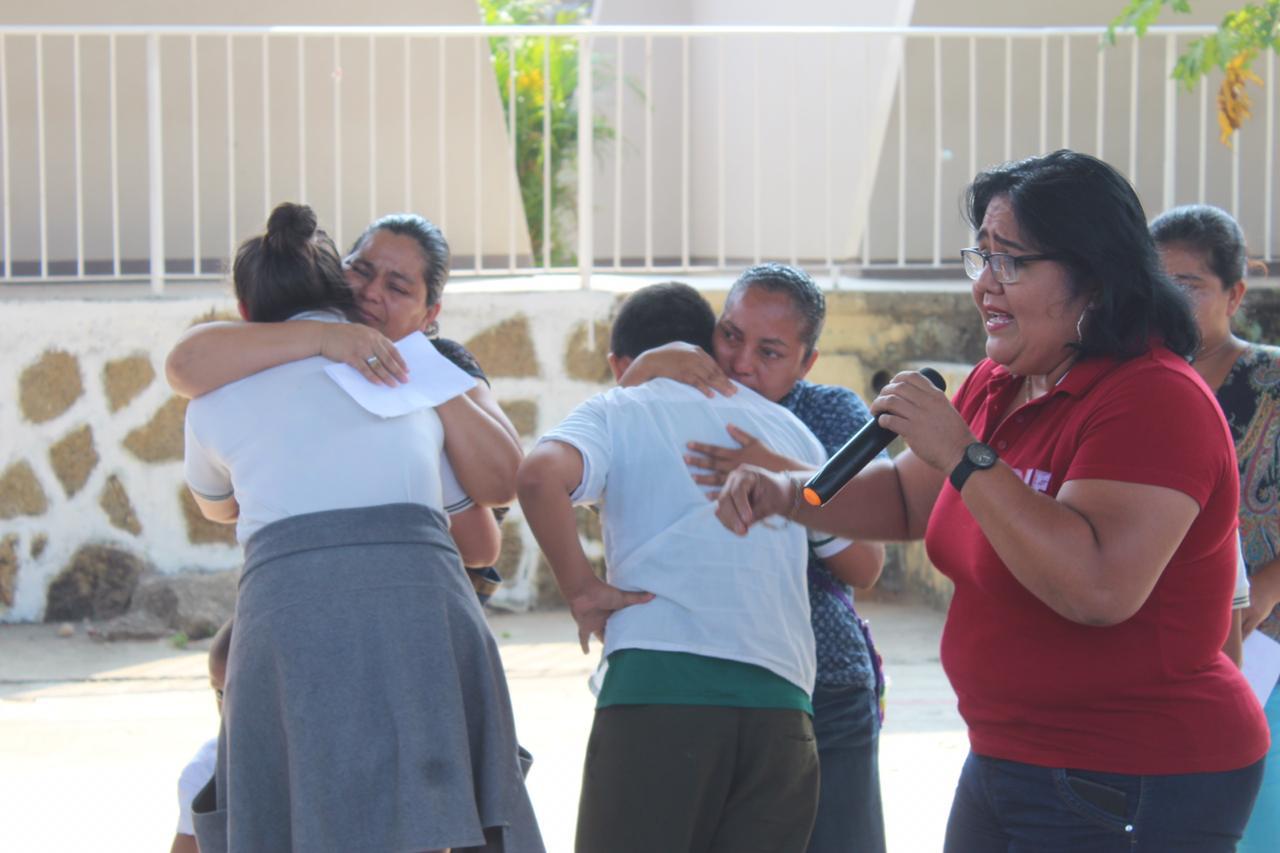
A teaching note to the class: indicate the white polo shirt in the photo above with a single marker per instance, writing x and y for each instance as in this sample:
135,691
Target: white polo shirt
195,775
742,598
289,441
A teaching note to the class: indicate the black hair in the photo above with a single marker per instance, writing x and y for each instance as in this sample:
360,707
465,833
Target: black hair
293,267
1083,211
660,314
805,295
430,240
1210,231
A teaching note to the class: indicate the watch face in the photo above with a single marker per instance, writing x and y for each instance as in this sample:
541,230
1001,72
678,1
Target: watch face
981,455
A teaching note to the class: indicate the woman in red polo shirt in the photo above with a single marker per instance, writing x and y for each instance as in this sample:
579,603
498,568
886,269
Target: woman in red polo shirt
1081,492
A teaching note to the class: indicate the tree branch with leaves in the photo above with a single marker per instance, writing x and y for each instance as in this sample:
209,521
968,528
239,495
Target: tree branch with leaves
1241,37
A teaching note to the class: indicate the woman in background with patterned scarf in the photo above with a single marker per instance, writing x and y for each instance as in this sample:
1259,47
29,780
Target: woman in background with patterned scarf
1203,250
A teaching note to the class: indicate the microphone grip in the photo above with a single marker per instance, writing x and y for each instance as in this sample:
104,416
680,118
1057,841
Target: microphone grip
856,454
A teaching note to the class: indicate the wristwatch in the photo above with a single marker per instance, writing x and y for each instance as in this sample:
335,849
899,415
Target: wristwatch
977,457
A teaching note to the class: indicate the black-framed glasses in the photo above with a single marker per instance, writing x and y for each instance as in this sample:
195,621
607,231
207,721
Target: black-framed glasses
1004,267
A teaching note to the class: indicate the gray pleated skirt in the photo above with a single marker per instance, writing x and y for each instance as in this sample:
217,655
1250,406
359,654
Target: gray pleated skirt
366,707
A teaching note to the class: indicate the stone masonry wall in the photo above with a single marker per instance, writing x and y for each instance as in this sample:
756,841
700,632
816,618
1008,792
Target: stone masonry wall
91,488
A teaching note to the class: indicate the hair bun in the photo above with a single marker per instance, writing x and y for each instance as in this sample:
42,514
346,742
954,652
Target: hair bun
290,225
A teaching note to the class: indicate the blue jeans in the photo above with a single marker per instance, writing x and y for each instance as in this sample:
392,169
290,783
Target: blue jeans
1263,833
846,724
1012,807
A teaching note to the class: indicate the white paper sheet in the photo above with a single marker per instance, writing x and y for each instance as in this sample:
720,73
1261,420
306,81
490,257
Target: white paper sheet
433,380
1261,664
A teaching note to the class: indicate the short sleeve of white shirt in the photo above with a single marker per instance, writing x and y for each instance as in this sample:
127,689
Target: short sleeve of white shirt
455,499
1240,600
195,776
205,473
825,545
586,430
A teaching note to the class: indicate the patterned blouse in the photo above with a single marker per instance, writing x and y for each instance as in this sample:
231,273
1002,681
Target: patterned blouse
1250,398
833,414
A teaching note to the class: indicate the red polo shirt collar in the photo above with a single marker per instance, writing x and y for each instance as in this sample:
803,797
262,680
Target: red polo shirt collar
1079,378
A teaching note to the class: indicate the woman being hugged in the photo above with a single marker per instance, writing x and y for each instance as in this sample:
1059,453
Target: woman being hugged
1204,251
365,704
397,270
1081,492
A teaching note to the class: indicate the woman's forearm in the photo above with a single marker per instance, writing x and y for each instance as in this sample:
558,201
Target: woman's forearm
483,455
1094,552
889,501
483,397
211,355
476,534
1264,594
859,565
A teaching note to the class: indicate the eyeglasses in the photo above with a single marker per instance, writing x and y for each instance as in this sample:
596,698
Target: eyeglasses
1003,265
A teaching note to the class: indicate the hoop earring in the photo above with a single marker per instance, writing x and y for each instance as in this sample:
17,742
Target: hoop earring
1080,326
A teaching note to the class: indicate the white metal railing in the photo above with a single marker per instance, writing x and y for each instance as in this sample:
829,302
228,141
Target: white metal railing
706,172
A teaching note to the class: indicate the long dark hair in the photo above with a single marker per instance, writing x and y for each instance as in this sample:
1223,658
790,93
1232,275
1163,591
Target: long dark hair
1084,211
293,267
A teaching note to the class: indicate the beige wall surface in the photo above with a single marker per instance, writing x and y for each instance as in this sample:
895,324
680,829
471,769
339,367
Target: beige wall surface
355,126
241,12
1081,13
780,168
1069,111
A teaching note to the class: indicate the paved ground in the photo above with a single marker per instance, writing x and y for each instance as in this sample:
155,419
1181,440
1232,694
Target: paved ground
92,736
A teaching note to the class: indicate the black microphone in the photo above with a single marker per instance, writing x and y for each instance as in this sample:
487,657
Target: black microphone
857,452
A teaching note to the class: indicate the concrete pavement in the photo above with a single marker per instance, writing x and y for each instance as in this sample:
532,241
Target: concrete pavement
93,735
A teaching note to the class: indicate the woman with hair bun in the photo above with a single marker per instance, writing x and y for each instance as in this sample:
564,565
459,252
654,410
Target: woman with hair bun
1203,250
365,705
397,270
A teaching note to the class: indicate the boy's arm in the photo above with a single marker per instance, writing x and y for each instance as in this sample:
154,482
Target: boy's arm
184,844
859,565
548,477
1234,646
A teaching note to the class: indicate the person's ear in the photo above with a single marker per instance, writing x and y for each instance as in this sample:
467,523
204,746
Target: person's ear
244,312
433,311
429,326
1235,296
619,364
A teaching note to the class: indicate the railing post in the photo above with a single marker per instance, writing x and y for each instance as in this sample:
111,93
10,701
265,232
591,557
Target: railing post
155,160
586,248
1170,176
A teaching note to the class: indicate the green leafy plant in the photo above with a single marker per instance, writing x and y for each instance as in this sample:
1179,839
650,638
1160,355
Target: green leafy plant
546,84
1240,38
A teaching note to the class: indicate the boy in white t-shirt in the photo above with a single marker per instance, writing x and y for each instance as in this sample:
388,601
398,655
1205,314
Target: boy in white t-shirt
199,769
703,736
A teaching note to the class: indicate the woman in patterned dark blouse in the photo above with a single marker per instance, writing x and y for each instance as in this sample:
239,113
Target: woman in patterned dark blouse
1203,250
